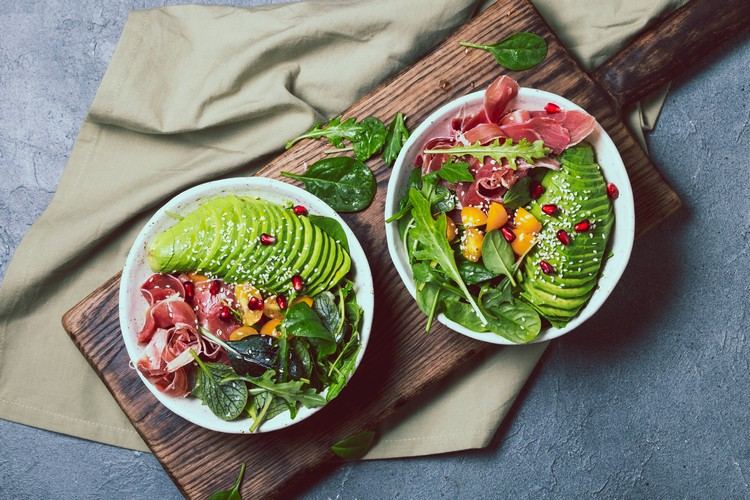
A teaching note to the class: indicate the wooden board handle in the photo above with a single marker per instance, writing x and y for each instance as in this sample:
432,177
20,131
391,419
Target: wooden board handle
672,47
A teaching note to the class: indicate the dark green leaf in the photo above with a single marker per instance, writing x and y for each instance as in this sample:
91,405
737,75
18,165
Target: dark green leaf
474,272
234,493
518,52
492,296
226,400
369,139
250,356
518,195
335,131
517,321
355,446
326,308
293,391
498,256
455,172
462,313
301,321
396,138
346,184
332,227
415,181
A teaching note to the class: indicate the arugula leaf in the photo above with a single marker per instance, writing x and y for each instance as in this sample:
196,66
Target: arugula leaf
431,234
455,172
528,151
234,493
332,227
367,137
498,256
518,195
396,138
346,184
264,407
301,321
518,52
226,400
354,446
292,391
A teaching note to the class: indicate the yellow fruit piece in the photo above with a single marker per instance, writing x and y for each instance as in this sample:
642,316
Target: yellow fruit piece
242,332
269,328
497,216
242,294
450,229
304,298
522,243
473,217
271,308
471,244
196,278
525,222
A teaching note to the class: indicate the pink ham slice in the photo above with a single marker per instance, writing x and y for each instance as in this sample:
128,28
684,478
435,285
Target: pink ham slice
153,366
160,286
483,133
497,96
432,162
169,312
208,308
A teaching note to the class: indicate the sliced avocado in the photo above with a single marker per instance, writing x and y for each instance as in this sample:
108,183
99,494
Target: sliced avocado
281,275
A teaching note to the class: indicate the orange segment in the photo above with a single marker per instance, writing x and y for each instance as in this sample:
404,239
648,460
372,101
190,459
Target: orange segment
242,294
196,278
473,217
497,216
525,222
270,327
242,332
471,244
450,229
304,298
522,243
271,308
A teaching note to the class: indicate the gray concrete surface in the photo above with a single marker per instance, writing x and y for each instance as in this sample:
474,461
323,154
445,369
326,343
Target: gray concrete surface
649,399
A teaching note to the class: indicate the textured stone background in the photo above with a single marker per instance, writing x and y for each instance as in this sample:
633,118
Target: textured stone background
648,399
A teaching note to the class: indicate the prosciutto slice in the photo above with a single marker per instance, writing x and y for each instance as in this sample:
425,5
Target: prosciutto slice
208,308
483,133
172,311
497,96
153,366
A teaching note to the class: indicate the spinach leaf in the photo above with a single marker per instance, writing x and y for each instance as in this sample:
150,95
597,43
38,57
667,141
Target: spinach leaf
326,308
498,256
396,138
462,313
518,52
517,321
301,321
528,151
232,494
346,184
431,234
303,354
415,181
441,198
226,400
354,446
332,227
428,300
252,355
518,195
474,272
340,370
369,139
455,172
491,296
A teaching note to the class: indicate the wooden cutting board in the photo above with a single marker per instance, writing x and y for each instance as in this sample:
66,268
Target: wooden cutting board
401,362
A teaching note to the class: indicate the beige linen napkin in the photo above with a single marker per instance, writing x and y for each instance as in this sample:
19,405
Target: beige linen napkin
195,93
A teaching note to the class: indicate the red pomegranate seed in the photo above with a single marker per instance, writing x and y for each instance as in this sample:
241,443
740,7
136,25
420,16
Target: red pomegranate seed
299,210
582,226
214,287
552,108
254,304
225,314
297,282
563,236
281,301
508,234
546,267
536,190
266,239
549,209
189,290
612,191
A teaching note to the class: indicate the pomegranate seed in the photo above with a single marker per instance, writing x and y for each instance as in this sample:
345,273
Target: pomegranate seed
536,190
189,290
254,304
297,282
549,209
546,267
266,239
552,108
299,210
612,191
582,226
225,314
281,301
214,287
563,236
508,234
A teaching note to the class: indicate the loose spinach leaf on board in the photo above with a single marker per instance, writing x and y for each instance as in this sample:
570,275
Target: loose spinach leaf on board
370,138
232,494
455,172
346,184
301,321
354,446
518,52
498,256
396,138
474,272
518,195
497,150
332,227
367,137
226,400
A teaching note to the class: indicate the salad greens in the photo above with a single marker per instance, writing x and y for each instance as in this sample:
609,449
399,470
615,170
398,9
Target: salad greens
225,398
366,137
499,151
355,446
396,138
518,52
332,227
344,183
234,493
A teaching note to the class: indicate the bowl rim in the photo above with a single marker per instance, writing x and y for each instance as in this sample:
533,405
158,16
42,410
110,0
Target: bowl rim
262,187
624,219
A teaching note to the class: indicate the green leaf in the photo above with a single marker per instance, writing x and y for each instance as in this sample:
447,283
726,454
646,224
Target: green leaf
455,172
523,149
517,321
518,195
396,138
355,446
491,296
518,52
346,184
498,256
226,400
301,321
474,272
332,227
415,181
293,391
335,131
234,493
325,306
369,139
462,313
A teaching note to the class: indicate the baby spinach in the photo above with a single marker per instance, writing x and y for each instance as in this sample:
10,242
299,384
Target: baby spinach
367,137
517,321
396,138
232,494
326,308
226,399
455,172
462,313
474,272
355,446
498,256
332,227
518,195
518,52
264,407
301,321
370,138
346,184
499,151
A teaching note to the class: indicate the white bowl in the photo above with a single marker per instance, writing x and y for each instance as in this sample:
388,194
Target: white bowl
606,155
133,306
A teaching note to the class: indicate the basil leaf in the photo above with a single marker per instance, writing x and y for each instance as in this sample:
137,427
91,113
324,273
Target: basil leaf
301,321
518,52
355,446
474,272
455,172
369,139
332,227
346,184
234,493
518,195
497,255
226,400
396,138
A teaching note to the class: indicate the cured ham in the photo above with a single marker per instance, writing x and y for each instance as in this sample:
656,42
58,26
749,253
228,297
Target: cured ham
208,308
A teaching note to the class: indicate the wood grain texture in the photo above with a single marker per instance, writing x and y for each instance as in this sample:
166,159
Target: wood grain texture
672,47
401,363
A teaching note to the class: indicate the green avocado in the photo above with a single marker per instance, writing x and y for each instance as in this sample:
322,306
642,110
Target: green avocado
580,192
221,238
